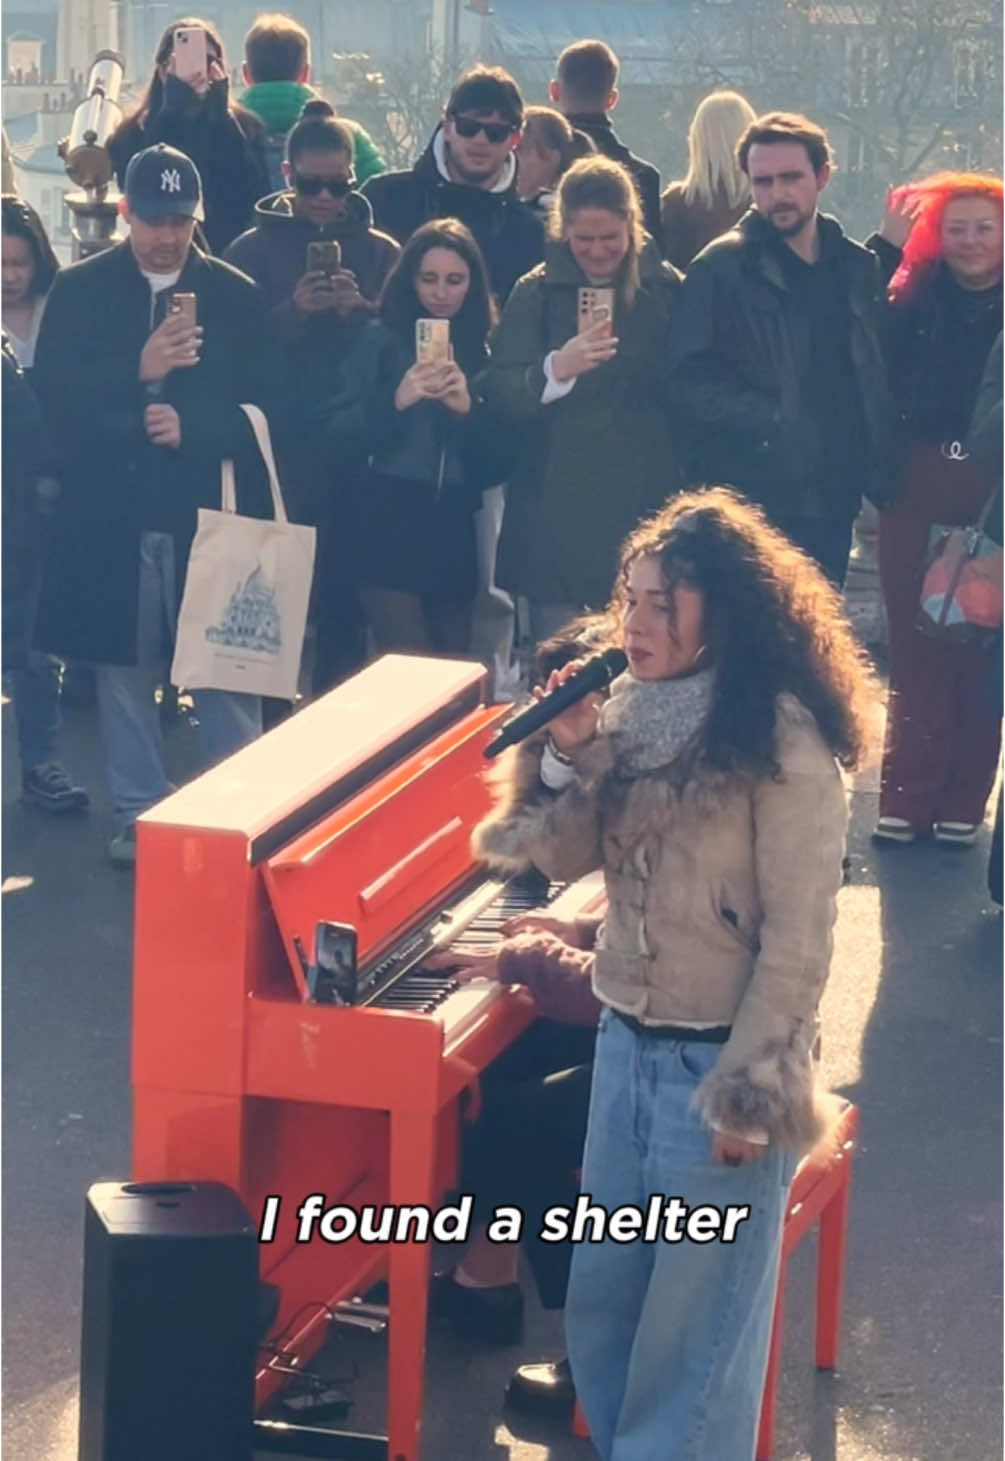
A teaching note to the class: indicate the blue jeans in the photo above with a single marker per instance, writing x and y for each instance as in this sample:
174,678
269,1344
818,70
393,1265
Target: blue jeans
35,692
129,718
668,1342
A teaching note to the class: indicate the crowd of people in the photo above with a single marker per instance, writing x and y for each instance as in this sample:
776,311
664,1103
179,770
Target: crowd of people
611,347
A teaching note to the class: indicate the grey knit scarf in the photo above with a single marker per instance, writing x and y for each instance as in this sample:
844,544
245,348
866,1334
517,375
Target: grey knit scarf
650,722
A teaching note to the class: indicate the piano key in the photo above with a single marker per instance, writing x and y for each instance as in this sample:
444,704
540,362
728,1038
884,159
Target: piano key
479,919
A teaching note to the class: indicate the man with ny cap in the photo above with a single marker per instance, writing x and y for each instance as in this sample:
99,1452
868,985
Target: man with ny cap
144,407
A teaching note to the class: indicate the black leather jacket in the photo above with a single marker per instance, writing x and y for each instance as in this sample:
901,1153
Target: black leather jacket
739,353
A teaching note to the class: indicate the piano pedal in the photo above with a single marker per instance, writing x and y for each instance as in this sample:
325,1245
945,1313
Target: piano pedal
360,1315
322,1402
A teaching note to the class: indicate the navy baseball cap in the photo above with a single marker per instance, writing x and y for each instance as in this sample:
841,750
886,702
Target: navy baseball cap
160,182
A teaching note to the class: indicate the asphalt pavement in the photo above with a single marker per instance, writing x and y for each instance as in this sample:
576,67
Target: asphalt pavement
912,1033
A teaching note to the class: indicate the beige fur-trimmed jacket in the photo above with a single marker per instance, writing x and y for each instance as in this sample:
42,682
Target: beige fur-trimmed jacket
721,903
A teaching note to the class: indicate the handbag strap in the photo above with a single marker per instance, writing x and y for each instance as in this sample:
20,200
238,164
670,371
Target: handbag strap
986,509
228,491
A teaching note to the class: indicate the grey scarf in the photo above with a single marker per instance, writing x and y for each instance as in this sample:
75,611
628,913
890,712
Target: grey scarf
650,722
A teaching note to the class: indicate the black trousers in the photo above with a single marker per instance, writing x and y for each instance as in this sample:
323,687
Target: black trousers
526,1147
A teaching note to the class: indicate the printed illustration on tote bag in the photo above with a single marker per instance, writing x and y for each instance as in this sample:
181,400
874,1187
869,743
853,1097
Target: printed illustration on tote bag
252,617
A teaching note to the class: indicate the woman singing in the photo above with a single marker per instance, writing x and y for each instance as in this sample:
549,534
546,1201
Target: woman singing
708,788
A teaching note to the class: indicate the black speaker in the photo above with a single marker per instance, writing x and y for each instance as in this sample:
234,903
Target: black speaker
167,1366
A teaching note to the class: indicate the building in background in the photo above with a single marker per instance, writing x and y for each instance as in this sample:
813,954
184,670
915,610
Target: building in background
902,89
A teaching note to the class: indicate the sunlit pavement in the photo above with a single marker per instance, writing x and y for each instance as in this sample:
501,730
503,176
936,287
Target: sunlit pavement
912,1021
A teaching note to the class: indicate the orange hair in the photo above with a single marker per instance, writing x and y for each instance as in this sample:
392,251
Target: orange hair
924,246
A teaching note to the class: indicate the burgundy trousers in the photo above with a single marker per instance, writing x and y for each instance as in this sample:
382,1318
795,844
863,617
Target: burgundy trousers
942,729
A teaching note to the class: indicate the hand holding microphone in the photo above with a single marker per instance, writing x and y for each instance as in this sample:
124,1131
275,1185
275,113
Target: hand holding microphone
569,704
577,725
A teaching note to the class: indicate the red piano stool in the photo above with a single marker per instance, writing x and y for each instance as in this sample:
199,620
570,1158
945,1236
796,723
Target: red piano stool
821,1189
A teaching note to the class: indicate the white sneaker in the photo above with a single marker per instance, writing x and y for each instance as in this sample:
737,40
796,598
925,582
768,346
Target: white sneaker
894,829
958,834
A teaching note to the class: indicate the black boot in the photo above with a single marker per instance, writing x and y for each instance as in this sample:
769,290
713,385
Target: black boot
542,1389
492,1315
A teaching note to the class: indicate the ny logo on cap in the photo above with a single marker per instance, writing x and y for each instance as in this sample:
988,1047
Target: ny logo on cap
170,180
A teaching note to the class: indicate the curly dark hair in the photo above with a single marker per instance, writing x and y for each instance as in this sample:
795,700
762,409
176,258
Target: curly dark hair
772,624
399,304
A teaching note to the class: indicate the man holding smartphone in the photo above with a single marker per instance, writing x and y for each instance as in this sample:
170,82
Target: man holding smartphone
143,401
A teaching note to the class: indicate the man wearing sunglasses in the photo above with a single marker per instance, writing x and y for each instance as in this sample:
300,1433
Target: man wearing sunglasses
468,171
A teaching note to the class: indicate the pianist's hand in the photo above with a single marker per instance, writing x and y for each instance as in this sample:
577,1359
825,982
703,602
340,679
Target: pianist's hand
577,725
478,964
568,932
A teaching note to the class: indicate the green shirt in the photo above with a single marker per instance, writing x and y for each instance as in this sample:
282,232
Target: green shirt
279,103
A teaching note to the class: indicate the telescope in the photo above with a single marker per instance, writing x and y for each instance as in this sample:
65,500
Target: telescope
86,158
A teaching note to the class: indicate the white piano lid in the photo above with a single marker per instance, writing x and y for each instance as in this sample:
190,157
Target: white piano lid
258,787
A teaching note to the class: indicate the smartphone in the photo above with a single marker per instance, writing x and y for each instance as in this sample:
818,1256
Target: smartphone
333,978
324,257
184,304
595,305
190,52
432,342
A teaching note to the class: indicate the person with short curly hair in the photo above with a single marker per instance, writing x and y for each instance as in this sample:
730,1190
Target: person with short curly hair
708,788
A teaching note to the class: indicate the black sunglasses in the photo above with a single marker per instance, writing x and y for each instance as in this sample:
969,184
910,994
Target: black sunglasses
495,132
311,186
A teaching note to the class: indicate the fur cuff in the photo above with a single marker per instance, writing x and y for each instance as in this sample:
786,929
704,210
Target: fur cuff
502,842
772,1093
504,837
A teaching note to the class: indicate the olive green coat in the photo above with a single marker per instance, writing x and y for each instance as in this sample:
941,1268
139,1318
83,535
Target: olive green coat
593,463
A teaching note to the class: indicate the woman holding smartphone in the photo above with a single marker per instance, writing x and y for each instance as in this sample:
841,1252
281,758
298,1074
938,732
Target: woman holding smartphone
187,105
708,789
585,395
425,445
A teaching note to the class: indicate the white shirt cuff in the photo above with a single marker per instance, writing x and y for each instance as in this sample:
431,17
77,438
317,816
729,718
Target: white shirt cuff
555,774
554,389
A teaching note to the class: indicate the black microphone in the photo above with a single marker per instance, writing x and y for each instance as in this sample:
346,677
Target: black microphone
595,674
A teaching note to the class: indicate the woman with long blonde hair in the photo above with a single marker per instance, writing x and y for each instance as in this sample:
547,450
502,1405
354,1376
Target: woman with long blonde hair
585,395
715,192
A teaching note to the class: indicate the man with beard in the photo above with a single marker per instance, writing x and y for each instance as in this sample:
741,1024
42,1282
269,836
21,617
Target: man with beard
775,357
468,171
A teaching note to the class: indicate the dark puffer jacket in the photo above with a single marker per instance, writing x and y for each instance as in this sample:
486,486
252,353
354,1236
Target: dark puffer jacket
506,231
596,461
